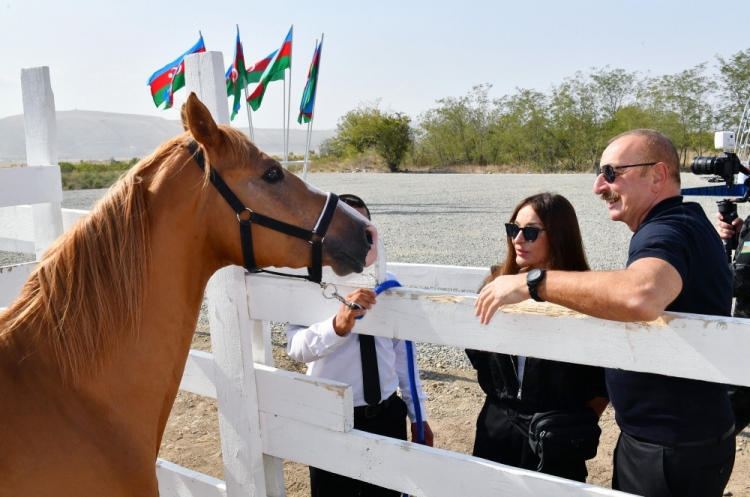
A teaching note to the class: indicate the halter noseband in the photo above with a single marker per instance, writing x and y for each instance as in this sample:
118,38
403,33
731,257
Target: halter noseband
315,272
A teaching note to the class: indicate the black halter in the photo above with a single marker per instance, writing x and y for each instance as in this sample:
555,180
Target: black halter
314,236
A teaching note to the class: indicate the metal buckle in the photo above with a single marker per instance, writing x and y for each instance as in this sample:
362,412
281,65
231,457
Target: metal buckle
248,209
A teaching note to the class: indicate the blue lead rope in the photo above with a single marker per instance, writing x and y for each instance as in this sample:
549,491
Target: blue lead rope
387,285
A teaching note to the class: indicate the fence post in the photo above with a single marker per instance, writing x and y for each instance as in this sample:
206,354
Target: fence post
40,125
231,340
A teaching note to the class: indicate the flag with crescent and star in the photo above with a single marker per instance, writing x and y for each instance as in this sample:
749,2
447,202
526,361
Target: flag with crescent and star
274,71
171,77
235,76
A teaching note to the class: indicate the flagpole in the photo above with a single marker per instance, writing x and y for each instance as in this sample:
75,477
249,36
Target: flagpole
283,122
289,109
250,129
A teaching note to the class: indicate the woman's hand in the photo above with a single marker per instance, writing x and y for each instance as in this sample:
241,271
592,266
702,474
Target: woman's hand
344,320
502,290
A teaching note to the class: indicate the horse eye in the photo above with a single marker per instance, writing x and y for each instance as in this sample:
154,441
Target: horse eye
273,175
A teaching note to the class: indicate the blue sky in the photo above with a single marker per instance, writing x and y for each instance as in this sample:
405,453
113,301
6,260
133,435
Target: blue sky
407,53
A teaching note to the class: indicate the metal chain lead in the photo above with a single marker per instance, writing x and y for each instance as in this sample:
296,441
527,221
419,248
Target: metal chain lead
335,295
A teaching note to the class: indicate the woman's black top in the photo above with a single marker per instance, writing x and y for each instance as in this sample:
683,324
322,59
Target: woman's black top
547,385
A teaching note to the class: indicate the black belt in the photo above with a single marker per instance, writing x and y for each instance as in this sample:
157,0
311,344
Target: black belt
368,412
699,443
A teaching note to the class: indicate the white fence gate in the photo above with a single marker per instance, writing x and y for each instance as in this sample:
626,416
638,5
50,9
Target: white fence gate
267,415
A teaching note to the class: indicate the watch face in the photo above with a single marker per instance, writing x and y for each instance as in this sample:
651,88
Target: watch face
534,274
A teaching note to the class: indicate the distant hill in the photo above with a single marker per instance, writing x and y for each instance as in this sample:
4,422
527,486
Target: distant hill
83,134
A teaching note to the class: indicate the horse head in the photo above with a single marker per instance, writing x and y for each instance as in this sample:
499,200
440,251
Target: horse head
266,188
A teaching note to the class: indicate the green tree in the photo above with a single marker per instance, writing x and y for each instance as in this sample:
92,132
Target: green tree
734,87
368,127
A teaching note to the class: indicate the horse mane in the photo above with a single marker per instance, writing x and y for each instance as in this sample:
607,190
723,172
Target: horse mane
87,293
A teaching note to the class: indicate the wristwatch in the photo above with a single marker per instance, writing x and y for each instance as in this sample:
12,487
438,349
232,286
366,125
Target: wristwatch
533,278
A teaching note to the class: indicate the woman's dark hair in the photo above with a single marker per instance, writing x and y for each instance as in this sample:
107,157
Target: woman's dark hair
563,234
355,201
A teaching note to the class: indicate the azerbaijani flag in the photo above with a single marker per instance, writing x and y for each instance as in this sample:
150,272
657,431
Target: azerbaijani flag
280,61
307,104
255,71
171,77
235,76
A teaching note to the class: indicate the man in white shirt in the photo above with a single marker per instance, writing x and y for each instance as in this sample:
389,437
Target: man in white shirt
374,366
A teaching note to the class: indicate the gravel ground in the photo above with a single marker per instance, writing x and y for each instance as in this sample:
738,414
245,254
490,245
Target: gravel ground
449,219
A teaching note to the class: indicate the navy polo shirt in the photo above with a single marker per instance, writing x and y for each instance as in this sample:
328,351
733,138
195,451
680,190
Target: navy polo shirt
665,409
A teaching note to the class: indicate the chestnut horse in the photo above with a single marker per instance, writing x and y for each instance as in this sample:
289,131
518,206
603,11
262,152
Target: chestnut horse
93,350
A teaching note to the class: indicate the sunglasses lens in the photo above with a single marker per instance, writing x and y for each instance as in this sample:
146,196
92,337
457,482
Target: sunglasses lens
512,230
530,233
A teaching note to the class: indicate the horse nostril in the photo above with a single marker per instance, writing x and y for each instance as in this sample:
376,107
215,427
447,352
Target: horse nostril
369,237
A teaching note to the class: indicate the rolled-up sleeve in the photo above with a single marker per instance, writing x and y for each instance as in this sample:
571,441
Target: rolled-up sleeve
310,344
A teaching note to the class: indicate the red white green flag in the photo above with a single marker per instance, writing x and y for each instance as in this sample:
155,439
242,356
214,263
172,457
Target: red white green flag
170,78
307,105
281,60
235,76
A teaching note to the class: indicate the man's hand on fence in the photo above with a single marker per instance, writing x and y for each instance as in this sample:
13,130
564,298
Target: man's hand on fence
345,318
428,436
503,290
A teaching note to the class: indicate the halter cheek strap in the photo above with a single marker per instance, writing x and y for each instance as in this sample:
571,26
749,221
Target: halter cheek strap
315,236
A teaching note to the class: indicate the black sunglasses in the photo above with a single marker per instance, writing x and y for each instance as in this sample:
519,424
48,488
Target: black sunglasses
609,171
530,233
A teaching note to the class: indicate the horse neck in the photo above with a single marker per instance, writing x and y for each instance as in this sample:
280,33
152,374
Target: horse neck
145,372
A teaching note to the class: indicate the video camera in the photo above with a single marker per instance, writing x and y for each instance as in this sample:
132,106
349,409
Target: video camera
725,166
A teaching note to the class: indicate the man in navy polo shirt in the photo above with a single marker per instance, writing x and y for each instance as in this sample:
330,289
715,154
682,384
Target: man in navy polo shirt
677,434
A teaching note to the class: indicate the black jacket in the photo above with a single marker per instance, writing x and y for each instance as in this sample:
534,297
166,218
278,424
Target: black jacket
547,385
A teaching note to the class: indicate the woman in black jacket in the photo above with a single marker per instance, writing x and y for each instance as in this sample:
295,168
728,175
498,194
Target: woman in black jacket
543,233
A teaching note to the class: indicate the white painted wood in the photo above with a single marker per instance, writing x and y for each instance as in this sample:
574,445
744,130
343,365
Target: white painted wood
30,185
198,377
235,386
458,278
324,403
262,346
12,279
177,481
415,469
200,71
314,401
40,126
701,347
17,227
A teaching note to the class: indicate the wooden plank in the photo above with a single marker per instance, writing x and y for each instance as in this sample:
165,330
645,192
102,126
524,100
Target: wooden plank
709,348
40,126
414,469
457,278
30,185
14,245
17,227
12,279
177,481
324,403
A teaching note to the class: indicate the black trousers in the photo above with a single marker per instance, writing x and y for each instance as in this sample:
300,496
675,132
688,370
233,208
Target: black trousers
653,470
498,439
391,423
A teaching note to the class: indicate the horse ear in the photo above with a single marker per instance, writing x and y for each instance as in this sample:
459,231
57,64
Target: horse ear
200,123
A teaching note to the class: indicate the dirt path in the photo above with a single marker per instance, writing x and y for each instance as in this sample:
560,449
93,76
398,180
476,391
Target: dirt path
192,435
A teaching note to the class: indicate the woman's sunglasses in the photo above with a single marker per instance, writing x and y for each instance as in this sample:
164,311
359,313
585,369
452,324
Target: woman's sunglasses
530,233
609,171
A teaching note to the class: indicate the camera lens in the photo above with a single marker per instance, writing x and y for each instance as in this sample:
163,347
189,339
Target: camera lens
703,165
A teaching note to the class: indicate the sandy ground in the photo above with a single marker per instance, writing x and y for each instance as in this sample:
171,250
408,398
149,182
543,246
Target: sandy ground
192,435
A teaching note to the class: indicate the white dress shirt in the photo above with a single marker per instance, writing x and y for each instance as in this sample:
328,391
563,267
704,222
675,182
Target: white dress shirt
338,358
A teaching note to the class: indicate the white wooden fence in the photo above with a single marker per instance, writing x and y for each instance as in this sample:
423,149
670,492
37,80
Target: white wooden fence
267,415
